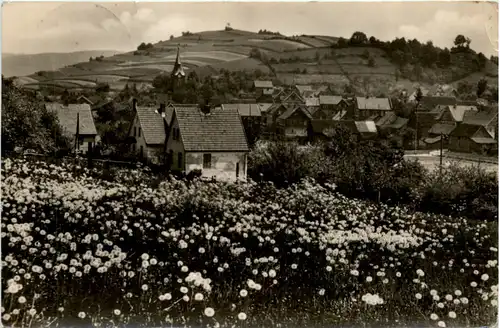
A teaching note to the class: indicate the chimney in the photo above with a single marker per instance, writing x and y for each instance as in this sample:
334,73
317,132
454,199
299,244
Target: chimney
206,107
161,110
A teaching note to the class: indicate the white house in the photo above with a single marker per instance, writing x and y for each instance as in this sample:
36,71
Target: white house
208,139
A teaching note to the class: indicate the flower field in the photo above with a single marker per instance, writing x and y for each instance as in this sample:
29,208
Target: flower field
79,249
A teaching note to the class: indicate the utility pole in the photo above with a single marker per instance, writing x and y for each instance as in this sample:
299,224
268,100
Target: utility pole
77,135
441,157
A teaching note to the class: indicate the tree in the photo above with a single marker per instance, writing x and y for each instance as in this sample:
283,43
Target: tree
358,38
481,87
494,59
171,37
28,124
418,96
342,43
462,42
102,87
445,57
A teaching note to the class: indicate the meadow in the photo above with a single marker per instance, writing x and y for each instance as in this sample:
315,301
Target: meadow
127,247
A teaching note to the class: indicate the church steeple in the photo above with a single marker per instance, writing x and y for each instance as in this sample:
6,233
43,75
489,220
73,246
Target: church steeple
178,70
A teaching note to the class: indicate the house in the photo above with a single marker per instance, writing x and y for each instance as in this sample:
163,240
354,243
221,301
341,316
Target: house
294,122
293,97
470,138
428,103
331,106
303,89
372,108
263,87
437,132
264,91
251,117
452,113
68,116
323,129
84,100
208,139
421,122
391,123
488,119
148,131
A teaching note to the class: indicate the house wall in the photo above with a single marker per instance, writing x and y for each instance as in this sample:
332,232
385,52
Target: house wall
223,165
174,147
149,152
296,125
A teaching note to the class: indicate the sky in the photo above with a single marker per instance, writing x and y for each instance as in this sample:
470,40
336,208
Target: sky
33,27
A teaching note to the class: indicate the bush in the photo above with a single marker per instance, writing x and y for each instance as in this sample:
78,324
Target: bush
282,163
460,190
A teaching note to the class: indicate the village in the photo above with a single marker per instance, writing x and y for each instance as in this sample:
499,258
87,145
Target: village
215,137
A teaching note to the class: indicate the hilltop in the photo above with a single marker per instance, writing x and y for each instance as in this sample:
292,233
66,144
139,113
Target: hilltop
368,65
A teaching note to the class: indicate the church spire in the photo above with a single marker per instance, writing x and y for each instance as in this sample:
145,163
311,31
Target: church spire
178,70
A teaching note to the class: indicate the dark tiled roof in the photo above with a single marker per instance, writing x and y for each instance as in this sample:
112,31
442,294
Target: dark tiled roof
253,110
465,130
481,118
152,125
330,100
263,84
292,110
387,119
373,103
443,128
433,101
67,117
221,130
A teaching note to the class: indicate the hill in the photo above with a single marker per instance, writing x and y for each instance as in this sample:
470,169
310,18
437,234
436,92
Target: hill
24,64
368,65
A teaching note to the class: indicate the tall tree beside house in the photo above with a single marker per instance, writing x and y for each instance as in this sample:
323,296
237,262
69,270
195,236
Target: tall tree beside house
27,124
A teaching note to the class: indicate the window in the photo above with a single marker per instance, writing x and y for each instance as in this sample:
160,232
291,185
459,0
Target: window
237,170
141,151
179,160
207,161
170,157
135,131
133,147
139,131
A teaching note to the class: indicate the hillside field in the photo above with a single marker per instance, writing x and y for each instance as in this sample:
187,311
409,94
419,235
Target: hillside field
300,59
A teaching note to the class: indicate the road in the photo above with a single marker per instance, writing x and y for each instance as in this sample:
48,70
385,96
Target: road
432,161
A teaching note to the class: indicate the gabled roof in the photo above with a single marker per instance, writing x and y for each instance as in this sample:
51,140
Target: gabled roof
321,126
366,126
481,118
87,100
442,128
373,103
457,112
292,110
303,88
292,93
387,119
263,84
221,130
265,107
330,100
152,124
465,130
481,140
67,116
246,110
339,115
